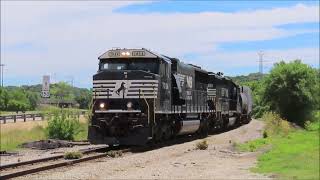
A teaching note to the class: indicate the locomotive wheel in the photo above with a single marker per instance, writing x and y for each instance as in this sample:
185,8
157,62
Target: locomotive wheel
205,129
157,135
168,133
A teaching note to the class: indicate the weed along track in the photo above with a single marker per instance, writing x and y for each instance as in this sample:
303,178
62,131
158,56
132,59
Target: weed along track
33,166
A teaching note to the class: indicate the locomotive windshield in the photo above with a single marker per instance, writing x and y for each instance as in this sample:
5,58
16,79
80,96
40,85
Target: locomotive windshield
148,65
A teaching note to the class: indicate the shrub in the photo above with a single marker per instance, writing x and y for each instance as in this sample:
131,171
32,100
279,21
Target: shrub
114,154
312,126
73,155
202,145
265,134
275,125
292,90
63,125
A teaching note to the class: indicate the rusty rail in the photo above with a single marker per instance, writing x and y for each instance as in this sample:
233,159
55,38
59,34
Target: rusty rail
51,166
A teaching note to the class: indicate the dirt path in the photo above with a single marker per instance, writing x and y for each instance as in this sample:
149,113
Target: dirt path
179,161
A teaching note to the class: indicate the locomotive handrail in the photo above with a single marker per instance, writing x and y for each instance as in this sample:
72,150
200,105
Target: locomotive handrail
147,106
154,106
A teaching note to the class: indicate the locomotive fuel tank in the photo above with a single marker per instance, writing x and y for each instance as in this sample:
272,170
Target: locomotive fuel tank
247,101
190,124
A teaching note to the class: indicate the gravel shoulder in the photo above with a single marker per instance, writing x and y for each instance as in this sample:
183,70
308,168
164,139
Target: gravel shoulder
32,154
180,161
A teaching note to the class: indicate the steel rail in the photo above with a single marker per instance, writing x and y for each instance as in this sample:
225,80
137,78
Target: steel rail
51,166
14,165
56,165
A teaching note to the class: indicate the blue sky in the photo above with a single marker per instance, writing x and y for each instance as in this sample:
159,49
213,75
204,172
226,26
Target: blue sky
208,6
64,39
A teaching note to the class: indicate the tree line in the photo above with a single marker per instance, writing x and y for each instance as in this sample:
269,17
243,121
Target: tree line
27,98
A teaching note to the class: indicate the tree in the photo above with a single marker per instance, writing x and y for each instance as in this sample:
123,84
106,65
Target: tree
4,99
62,91
33,98
83,98
18,100
292,90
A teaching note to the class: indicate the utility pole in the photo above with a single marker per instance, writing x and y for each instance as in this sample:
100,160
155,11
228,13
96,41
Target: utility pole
260,53
72,81
1,73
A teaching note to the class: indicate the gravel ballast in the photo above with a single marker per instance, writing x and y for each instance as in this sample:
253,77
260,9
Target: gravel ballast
180,161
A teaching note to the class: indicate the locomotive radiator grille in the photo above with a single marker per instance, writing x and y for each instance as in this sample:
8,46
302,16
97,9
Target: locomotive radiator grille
211,92
116,89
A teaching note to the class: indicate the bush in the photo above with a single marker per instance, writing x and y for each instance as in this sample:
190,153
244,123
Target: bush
202,145
275,125
293,91
265,134
312,126
73,155
114,154
259,110
63,125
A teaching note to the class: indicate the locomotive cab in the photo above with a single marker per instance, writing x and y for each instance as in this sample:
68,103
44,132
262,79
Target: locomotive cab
125,91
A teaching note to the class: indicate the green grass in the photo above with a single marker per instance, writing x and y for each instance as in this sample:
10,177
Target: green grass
11,139
295,156
252,146
83,134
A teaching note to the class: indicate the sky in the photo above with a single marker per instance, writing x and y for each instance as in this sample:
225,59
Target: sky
63,39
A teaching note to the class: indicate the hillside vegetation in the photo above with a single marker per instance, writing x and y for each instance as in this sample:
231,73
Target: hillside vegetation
287,100
27,98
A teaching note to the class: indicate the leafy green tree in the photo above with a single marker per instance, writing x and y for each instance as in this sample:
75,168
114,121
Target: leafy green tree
62,91
83,98
292,90
33,98
4,99
18,100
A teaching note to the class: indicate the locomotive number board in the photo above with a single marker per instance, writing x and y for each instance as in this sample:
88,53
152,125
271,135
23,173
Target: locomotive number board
138,53
126,53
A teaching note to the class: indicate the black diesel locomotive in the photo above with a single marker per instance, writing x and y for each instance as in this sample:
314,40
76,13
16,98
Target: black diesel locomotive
140,96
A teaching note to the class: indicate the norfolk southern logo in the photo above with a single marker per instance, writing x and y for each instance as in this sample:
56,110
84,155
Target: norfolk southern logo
121,88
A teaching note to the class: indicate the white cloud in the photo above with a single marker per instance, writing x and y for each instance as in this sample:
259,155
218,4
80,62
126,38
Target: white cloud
73,34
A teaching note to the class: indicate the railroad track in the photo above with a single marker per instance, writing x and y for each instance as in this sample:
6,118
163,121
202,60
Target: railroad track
33,166
13,170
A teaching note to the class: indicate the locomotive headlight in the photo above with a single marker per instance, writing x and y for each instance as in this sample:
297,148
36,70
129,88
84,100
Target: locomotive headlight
125,53
102,105
129,105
